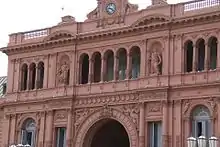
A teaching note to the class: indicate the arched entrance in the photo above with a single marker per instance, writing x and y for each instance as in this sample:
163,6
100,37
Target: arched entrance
107,133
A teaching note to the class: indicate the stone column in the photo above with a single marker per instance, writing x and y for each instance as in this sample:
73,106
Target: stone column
17,76
52,70
6,130
129,68
42,129
28,78
102,70
46,68
177,122
187,128
142,126
115,68
218,53
49,129
207,56
144,59
90,78
69,128
195,58
79,73
165,124
36,76
72,68
12,129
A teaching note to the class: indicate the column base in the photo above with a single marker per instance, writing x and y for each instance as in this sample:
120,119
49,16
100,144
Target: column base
141,141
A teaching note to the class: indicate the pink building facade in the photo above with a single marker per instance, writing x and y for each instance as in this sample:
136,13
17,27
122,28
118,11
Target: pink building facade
124,78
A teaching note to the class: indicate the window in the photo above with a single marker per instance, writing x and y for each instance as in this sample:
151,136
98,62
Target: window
155,134
61,137
28,132
201,122
4,88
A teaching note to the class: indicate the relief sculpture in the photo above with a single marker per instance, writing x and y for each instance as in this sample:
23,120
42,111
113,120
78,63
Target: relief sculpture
155,62
133,112
81,114
63,73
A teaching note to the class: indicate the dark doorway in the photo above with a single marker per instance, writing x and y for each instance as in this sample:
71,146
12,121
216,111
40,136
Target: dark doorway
109,134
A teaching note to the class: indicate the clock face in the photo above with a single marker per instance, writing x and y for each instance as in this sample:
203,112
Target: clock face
111,8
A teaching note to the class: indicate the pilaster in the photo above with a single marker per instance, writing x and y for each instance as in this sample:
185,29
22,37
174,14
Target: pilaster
142,126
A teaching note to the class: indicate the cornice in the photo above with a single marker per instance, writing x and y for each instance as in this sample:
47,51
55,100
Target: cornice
108,34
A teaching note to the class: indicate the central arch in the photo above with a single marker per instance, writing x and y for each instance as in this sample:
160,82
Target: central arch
98,119
108,133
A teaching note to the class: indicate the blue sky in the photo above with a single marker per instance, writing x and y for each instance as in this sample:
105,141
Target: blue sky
26,15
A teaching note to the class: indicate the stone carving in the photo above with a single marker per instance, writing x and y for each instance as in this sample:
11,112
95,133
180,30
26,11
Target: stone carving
63,74
186,105
81,114
133,112
154,107
60,115
212,104
156,61
130,97
106,112
152,96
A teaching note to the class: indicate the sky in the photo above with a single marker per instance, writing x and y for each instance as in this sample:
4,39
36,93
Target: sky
27,15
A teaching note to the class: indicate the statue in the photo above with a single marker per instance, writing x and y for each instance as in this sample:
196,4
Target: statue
63,73
155,63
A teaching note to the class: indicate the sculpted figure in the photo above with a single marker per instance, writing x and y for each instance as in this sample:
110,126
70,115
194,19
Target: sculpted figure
155,63
63,73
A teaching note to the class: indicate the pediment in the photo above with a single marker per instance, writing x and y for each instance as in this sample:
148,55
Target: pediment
59,35
151,19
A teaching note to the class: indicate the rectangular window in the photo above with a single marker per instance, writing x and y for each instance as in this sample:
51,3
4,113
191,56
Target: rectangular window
61,137
155,134
4,88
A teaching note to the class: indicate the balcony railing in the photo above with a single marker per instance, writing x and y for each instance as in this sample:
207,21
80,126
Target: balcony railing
195,5
36,34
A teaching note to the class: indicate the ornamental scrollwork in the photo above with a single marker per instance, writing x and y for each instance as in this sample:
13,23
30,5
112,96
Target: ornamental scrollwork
132,111
81,114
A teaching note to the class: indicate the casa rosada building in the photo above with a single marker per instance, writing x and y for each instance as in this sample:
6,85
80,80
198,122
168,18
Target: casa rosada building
124,77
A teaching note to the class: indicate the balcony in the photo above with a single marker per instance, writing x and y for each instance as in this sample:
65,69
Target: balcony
200,4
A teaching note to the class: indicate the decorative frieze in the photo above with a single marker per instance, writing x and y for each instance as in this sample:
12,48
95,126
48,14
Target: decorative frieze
113,99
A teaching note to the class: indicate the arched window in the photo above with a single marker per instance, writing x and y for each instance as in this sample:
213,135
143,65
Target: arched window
28,131
109,62
136,61
84,66
24,74
188,56
40,75
201,122
213,45
97,63
200,45
122,63
32,76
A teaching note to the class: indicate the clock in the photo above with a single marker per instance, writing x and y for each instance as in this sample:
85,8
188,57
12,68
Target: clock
111,8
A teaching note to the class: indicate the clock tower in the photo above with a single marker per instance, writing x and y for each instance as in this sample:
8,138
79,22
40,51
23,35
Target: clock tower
111,12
